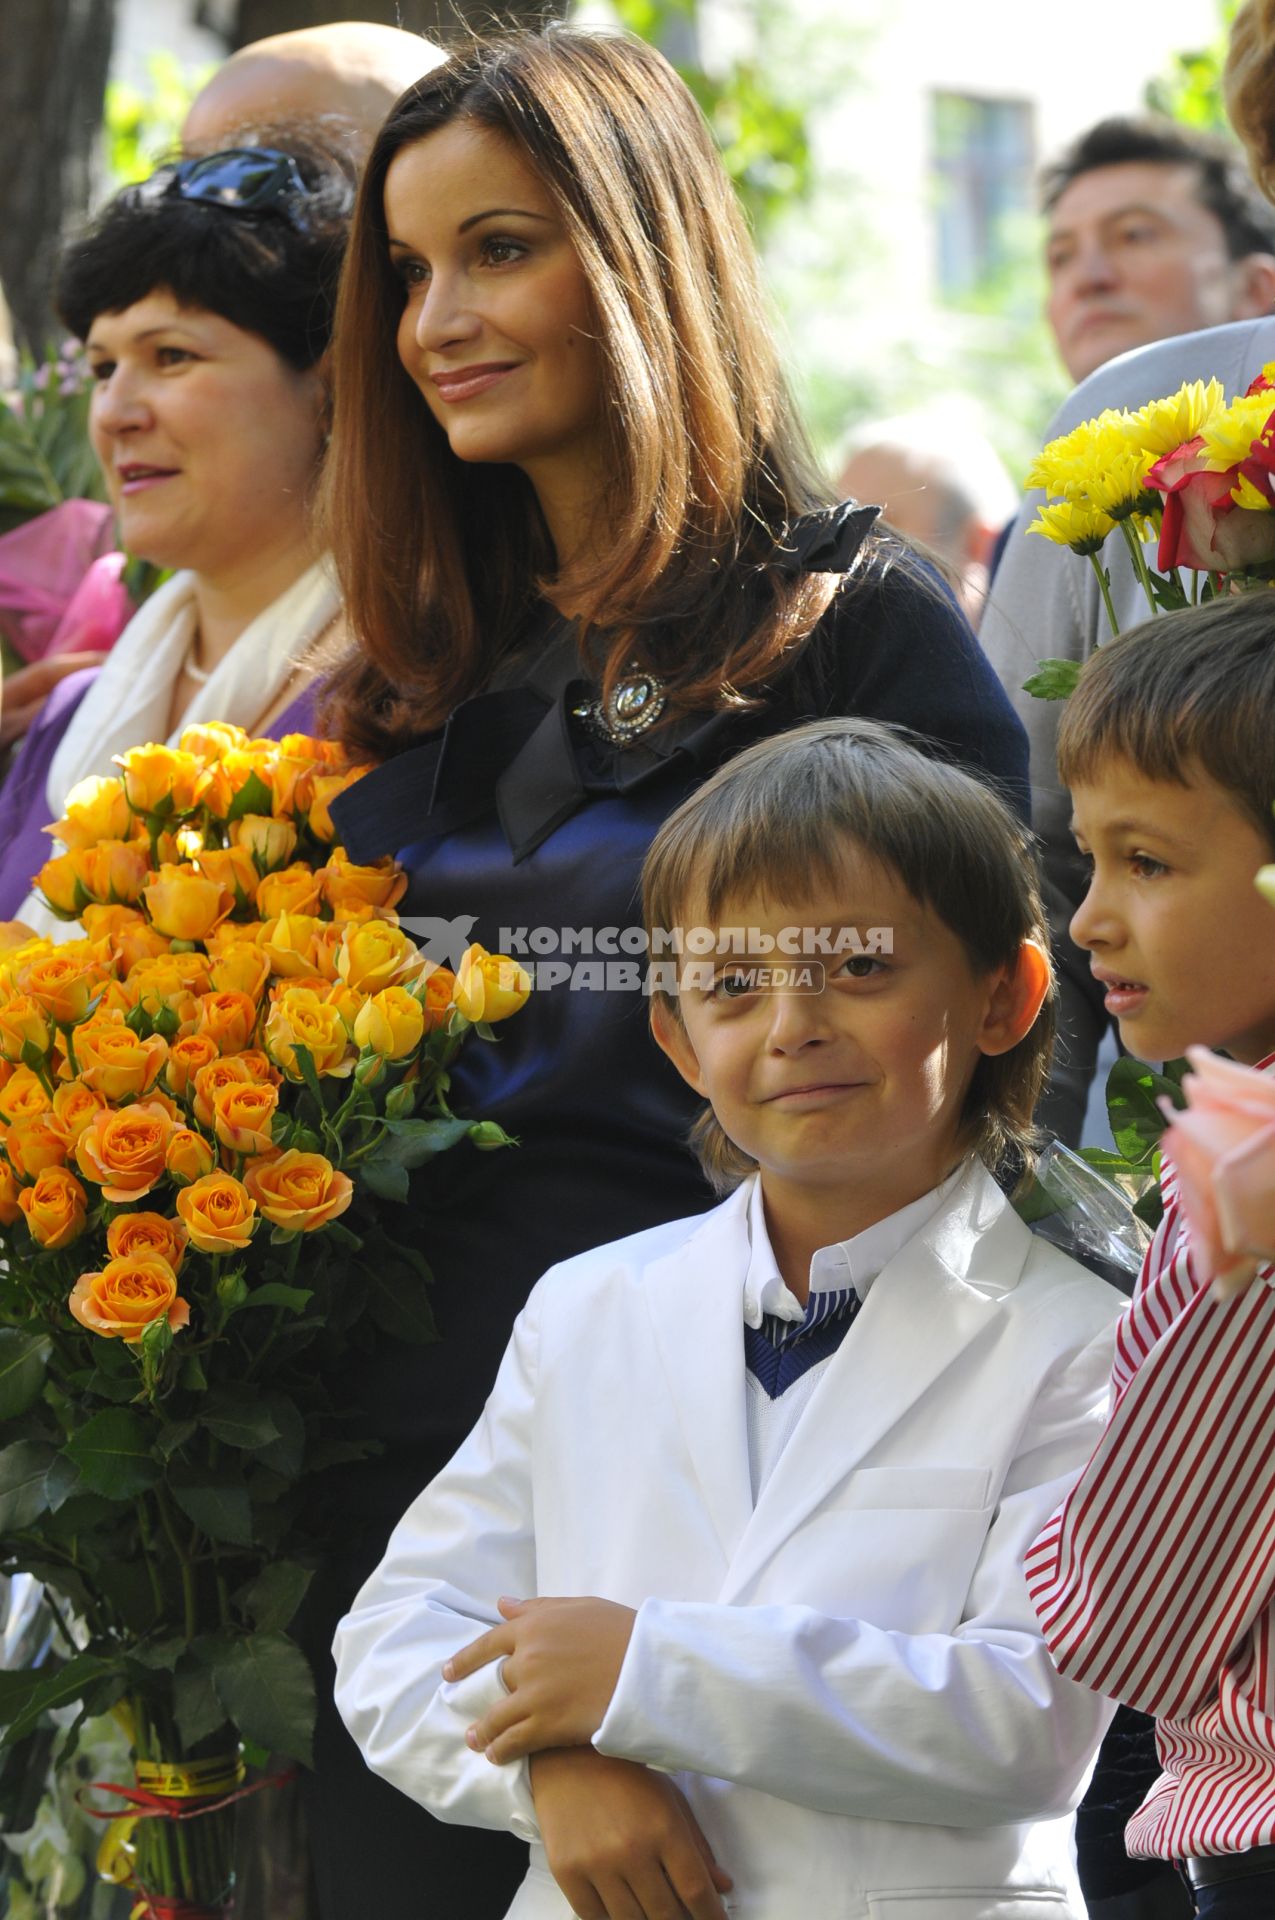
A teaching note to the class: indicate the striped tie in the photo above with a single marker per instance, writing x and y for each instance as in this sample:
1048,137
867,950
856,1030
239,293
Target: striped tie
779,1351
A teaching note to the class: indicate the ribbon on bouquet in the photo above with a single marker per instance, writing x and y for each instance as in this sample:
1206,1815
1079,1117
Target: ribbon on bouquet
166,1791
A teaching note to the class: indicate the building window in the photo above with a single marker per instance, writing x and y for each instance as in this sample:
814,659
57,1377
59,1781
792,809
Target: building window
984,161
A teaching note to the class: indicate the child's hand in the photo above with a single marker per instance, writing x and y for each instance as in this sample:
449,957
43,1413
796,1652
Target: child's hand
560,1660
622,1842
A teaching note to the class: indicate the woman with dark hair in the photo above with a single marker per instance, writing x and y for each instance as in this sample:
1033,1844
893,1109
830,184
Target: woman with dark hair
205,297
587,559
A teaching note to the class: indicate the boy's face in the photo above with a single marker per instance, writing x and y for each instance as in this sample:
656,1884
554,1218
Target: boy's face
864,1080
1176,930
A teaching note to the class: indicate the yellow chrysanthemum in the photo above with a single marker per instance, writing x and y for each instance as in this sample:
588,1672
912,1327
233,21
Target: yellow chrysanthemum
1245,494
1067,467
1229,436
1074,524
1118,487
1162,425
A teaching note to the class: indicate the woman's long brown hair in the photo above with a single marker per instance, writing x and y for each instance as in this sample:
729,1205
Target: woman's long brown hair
440,560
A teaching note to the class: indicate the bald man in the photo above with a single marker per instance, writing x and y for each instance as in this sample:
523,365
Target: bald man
352,70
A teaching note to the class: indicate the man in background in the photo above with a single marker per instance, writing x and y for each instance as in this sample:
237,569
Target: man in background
1153,229
941,482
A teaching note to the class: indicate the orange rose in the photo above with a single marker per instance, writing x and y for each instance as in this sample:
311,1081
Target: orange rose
232,869
114,872
65,980
56,1208
325,948
347,1002
440,997
228,1018
115,1061
23,1022
10,1203
185,1059
185,906
130,934
62,885
126,1296
324,789
291,890
300,1191
37,1143
299,1018
160,781
291,778
287,944
490,986
268,843
374,954
23,1096
96,809
242,968
391,1023
350,891
188,1156
211,740
242,1116
123,1153
74,1106
259,1067
226,1071
131,1234
218,1213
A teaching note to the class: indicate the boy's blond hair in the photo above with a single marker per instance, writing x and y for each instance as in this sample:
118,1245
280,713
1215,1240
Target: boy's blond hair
774,821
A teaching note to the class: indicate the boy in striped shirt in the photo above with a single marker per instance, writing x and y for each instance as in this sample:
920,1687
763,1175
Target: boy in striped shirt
1155,1581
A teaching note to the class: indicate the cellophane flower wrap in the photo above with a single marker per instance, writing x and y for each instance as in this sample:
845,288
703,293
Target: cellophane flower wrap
206,1101
1194,471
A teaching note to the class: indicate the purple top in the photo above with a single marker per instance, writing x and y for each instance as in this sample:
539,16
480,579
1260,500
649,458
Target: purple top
24,804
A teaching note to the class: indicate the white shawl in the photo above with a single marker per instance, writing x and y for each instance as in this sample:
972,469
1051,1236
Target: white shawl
128,703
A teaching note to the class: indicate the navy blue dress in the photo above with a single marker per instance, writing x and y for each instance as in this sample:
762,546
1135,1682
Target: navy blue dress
517,816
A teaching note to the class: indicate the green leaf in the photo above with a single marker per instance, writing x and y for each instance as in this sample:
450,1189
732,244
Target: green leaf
172,1438
265,1684
305,1062
238,1415
274,1596
254,796
24,1490
198,1711
413,1142
276,1294
286,1453
386,1179
1053,680
113,1453
1133,1093
192,1376
25,1696
398,1302
216,1500
23,1359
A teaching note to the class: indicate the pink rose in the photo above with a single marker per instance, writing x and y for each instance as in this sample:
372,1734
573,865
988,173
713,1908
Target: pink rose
1223,1147
1203,528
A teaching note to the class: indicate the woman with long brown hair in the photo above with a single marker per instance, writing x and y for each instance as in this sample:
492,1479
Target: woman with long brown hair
588,560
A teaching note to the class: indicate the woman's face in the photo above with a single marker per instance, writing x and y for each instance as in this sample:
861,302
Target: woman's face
207,437
497,329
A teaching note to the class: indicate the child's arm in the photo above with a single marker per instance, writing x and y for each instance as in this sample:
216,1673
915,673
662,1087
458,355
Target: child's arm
467,1538
620,1839
1163,1555
968,1728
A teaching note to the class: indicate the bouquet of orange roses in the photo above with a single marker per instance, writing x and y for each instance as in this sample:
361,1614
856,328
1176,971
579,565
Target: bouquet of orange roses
204,1103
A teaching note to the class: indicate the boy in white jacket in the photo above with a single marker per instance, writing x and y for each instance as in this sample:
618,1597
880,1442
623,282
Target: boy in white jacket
745,1515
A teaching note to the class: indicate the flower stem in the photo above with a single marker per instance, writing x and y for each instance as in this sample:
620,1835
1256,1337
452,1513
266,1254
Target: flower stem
1105,590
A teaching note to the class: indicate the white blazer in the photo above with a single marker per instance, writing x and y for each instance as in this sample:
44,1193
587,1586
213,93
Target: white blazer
847,1679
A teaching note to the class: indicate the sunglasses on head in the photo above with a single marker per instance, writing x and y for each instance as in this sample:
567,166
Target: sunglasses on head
251,180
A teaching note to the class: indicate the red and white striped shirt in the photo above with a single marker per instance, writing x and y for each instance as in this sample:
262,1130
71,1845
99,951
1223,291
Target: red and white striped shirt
1155,1580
